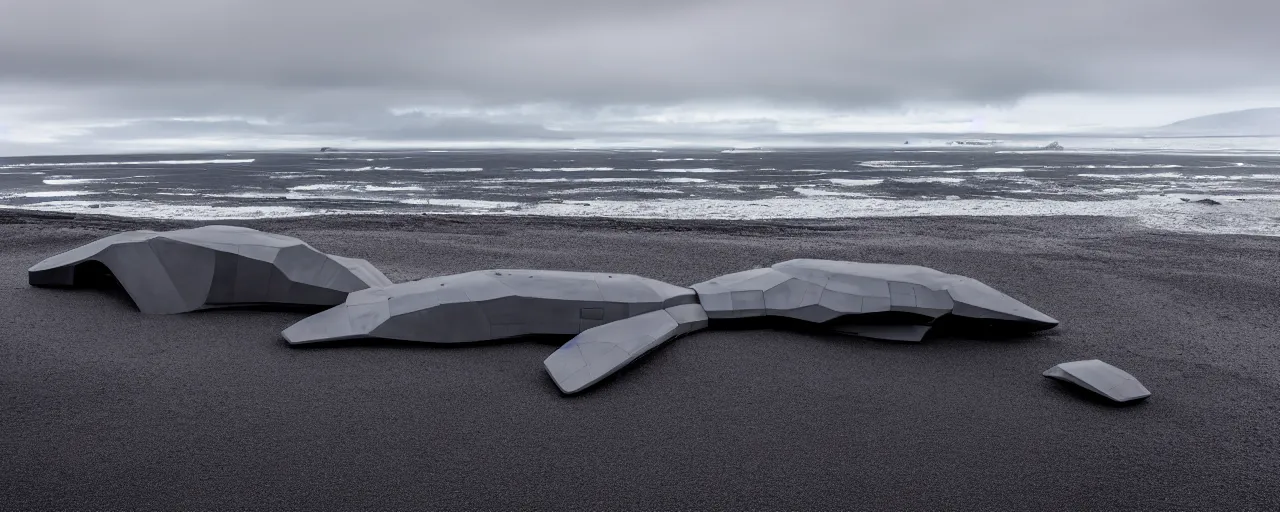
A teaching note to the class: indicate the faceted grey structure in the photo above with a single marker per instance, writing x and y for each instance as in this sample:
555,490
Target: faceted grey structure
600,351
1100,378
845,295
837,292
213,266
490,305
616,318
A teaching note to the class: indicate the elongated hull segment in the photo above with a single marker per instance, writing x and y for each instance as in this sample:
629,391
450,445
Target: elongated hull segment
837,292
489,305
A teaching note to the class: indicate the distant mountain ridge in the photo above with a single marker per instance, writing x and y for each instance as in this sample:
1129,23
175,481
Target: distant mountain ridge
1254,122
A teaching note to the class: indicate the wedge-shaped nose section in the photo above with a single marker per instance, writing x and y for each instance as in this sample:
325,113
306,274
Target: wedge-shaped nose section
974,299
333,324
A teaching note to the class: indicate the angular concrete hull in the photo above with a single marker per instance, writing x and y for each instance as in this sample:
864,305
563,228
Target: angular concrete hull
838,292
617,318
489,305
213,266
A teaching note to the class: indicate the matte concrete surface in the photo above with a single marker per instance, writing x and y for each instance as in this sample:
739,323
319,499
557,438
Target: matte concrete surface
102,407
1101,378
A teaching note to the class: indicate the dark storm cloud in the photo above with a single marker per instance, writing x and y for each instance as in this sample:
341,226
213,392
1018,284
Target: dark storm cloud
274,55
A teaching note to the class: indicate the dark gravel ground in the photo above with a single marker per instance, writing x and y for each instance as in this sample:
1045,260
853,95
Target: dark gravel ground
105,408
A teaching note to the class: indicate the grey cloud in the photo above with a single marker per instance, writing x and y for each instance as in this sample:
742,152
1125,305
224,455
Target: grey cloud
407,127
602,52
87,75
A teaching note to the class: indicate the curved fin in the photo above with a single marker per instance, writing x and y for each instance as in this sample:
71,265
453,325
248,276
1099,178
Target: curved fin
600,351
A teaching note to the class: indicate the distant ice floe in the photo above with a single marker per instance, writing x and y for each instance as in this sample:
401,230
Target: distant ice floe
989,170
747,150
855,183
684,159
149,162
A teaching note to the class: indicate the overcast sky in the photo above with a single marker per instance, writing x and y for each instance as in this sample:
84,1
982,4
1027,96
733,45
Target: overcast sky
173,74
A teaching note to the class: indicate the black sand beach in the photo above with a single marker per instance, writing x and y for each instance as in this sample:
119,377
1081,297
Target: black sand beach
106,408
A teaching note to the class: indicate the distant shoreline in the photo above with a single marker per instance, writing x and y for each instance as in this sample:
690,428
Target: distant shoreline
1111,142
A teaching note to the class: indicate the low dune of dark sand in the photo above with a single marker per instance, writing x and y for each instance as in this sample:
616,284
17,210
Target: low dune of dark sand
106,408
